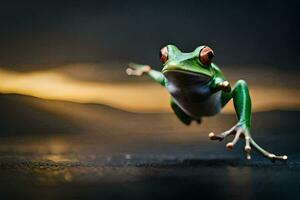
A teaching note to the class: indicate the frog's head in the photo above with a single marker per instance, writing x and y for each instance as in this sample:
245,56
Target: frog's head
196,64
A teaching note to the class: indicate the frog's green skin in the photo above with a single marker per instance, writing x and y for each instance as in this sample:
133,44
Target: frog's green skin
198,90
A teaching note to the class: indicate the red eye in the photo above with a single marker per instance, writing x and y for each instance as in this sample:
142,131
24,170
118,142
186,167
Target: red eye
206,55
163,55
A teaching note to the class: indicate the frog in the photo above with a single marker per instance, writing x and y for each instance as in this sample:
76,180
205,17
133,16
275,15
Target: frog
198,88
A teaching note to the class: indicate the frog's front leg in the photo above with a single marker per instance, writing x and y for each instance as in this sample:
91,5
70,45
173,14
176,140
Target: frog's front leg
138,70
242,105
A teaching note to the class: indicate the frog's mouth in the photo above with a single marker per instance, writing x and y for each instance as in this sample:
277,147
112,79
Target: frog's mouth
184,78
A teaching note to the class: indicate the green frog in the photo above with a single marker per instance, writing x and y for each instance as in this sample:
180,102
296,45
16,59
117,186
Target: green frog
199,89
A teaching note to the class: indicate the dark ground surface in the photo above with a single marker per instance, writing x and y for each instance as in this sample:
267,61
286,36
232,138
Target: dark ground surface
63,150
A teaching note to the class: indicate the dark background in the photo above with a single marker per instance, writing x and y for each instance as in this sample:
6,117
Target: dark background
58,149
56,32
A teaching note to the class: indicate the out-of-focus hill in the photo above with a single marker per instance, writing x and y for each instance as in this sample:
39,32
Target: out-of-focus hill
104,83
98,128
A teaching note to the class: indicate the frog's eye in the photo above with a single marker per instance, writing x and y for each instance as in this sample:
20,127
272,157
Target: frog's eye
163,55
206,55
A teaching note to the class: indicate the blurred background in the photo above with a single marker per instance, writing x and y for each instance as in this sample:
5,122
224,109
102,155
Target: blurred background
74,125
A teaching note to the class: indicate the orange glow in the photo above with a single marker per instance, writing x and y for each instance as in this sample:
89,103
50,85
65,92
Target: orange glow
136,97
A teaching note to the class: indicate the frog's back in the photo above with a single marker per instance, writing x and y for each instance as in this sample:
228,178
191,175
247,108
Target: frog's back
192,93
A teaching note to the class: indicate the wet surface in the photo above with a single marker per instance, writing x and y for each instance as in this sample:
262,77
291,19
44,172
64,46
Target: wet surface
62,150
228,178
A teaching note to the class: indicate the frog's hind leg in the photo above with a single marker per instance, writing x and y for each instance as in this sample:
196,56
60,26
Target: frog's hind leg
182,116
242,105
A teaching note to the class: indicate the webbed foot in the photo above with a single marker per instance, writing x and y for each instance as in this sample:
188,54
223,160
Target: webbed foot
137,69
240,131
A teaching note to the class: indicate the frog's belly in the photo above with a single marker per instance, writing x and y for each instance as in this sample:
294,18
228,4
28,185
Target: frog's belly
193,94
195,101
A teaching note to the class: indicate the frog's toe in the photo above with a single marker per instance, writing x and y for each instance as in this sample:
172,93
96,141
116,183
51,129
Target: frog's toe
223,135
213,136
230,145
137,69
130,71
273,157
225,86
134,72
267,154
247,147
220,136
